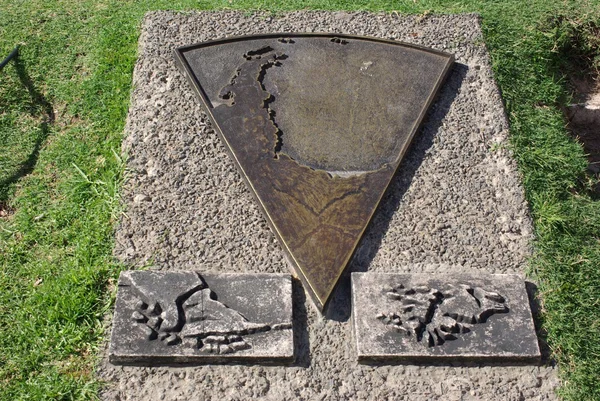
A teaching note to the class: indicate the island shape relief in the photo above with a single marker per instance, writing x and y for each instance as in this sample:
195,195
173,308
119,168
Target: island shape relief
185,317
431,316
423,317
317,125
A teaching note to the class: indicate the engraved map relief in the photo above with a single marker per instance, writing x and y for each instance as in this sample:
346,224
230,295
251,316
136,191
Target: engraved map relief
431,317
304,119
183,310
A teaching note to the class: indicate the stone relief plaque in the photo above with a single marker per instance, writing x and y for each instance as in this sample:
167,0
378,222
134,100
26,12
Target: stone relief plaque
317,125
423,317
186,317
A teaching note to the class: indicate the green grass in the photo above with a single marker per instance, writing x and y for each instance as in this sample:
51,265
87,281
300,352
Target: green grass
62,112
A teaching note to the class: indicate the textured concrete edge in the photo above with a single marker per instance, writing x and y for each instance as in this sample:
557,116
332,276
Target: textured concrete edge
186,361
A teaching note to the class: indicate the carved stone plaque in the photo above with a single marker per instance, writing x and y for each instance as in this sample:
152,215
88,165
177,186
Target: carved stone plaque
185,317
424,317
317,125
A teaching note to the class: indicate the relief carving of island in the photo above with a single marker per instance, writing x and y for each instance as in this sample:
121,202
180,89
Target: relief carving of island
451,316
180,317
431,317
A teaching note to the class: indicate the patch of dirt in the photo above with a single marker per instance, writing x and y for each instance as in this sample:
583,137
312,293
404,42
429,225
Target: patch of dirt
5,210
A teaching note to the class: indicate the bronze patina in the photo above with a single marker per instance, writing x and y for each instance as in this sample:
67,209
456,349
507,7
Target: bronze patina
317,125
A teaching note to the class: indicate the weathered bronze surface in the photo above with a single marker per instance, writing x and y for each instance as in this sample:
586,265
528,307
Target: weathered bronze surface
318,125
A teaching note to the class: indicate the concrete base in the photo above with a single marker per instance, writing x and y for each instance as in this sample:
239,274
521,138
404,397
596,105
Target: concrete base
456,205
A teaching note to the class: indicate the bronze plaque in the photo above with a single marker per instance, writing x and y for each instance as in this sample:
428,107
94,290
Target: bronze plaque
317,125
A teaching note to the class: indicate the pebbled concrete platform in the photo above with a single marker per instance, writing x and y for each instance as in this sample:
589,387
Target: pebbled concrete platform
456,205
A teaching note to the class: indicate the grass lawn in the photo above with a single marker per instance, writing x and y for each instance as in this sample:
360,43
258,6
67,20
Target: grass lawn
62,110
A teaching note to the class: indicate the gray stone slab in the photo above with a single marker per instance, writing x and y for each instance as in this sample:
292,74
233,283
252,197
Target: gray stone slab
449,317
183,317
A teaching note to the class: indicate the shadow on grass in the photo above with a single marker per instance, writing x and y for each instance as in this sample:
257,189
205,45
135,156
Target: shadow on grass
40,109
536,311
576,58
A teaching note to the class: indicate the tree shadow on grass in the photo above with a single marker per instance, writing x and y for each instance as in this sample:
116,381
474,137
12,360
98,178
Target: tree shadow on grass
39,109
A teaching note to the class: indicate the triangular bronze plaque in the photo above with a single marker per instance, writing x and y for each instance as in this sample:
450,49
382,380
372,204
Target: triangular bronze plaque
317,125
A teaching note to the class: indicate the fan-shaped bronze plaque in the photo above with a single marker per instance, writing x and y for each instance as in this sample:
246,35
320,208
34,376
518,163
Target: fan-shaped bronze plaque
317,125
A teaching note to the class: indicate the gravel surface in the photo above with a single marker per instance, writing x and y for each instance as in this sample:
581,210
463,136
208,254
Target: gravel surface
456,205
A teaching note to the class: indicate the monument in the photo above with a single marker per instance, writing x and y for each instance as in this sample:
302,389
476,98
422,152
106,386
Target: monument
455,206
